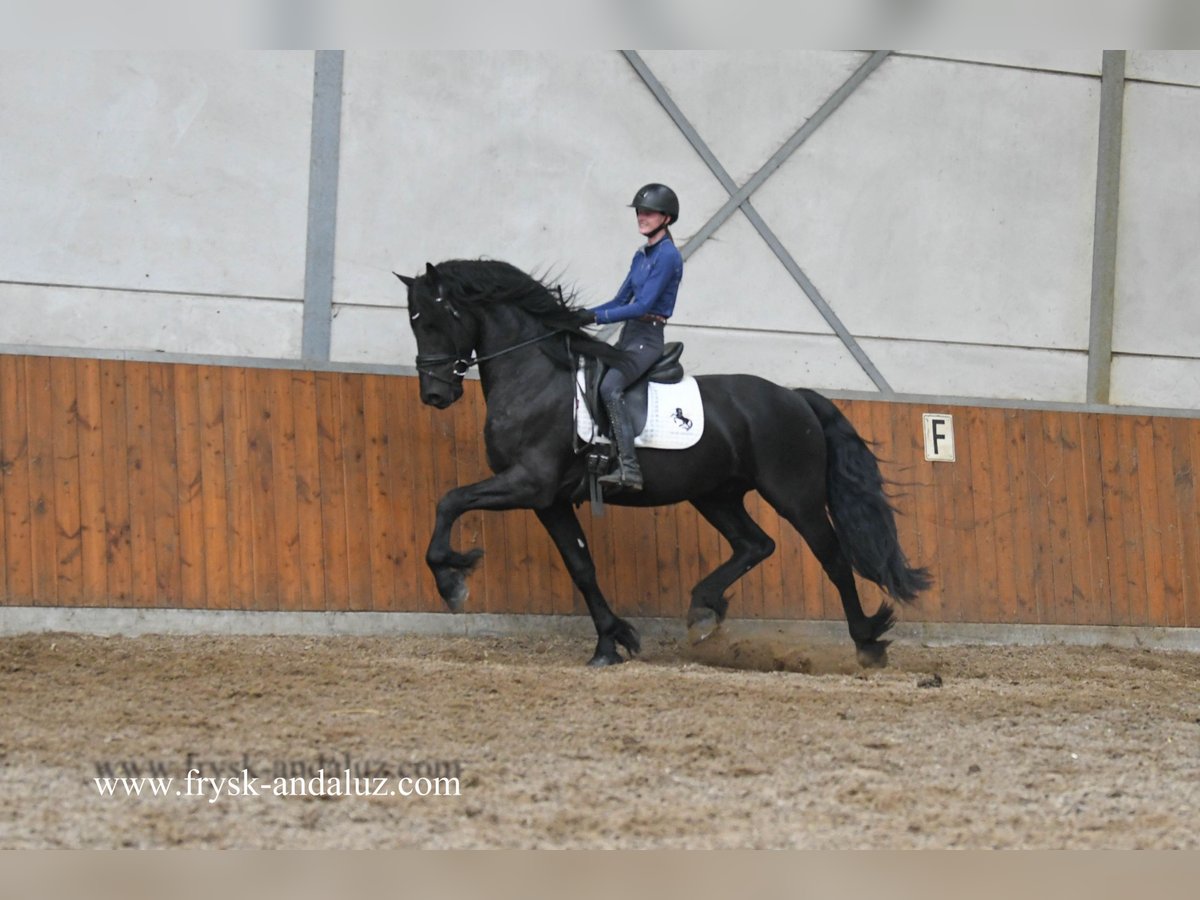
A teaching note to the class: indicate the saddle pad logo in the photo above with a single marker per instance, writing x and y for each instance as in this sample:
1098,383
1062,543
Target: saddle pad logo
674,417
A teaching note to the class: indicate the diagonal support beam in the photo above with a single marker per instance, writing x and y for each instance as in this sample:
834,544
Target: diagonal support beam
738,197
736,194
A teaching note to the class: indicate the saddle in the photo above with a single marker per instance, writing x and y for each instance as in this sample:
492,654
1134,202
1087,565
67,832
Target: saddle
667,370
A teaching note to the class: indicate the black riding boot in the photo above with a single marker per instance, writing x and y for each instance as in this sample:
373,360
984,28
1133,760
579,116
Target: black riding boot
628,473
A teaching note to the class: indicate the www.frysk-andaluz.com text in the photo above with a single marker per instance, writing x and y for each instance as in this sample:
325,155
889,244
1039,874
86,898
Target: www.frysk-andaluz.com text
332,775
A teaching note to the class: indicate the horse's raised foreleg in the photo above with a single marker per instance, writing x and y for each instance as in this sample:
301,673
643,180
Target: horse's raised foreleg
510,489
751,545
560,521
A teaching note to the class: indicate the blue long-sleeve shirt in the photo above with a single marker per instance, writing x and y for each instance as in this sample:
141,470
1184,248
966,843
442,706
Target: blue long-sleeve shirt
650,287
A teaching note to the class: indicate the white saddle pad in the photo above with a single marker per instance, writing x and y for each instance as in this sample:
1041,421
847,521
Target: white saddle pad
674,416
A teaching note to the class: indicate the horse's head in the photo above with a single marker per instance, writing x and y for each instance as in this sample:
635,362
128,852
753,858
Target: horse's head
445,338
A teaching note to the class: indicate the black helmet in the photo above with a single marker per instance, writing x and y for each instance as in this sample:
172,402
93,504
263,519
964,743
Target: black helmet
659,198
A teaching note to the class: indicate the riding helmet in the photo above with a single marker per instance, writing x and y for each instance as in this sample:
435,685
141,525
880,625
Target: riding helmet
659,198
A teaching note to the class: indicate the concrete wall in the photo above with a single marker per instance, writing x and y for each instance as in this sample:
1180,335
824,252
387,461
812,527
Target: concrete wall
157,205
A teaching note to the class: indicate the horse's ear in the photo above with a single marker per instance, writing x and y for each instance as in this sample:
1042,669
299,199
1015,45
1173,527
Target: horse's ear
431,275
408,282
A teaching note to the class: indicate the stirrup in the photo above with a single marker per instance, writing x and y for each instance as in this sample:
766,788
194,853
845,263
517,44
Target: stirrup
621,477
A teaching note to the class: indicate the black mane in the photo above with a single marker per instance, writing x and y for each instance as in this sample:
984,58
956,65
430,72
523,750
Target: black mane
472,282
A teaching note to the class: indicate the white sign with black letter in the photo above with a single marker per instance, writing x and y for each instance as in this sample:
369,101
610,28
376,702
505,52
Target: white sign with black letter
939,436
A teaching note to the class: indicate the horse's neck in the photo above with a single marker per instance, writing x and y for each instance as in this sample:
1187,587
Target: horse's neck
523,369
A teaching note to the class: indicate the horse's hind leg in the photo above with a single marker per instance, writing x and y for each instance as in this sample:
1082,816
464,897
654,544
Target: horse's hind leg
751,545
560,521
814,526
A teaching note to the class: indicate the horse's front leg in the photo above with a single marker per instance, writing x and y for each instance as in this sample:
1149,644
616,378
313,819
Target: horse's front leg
560,521
510,489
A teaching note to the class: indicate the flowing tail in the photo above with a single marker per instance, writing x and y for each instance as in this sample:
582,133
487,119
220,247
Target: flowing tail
862,516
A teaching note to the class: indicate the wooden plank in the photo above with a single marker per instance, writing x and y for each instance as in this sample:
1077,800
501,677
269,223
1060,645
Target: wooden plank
1114,497
15,480
1192,529
166,486
189,487
1179,436
621,587
118,546
239,486
381,539
1039,517
1096,609
1075,485
308,491
40,405
66,504
259,436
1152,544
1023,605
8,441
281,428
405,446
139,427
215,495
333,492
984,602
165,465
358,551
1061,607
93,527
1167,520
1130,605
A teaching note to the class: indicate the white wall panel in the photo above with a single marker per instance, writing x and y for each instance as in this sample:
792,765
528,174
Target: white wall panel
746,105
527,157
120,320
1175,66
370,334
171,171
1156,381
1083,62
735,281
1158,251
963,370
949,202
792,360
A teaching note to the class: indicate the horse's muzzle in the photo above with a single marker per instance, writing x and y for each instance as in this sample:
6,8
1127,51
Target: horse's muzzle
439,395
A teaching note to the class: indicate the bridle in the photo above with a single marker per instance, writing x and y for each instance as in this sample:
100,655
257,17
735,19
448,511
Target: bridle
464,362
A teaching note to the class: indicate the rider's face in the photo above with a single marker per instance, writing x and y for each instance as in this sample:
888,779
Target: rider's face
649,221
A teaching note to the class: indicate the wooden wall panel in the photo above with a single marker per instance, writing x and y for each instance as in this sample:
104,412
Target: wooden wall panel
140,484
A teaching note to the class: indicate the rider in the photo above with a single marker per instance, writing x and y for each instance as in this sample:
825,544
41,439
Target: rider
644,302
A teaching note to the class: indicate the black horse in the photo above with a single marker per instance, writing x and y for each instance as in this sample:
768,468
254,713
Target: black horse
793,446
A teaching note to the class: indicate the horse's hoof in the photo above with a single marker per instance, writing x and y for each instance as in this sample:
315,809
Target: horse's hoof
605,659
701,628
873,655
456,594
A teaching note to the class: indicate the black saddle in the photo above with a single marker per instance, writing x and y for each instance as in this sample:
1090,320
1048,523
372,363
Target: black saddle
668,370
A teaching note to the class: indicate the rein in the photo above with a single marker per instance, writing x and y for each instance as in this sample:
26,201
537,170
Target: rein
438,359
